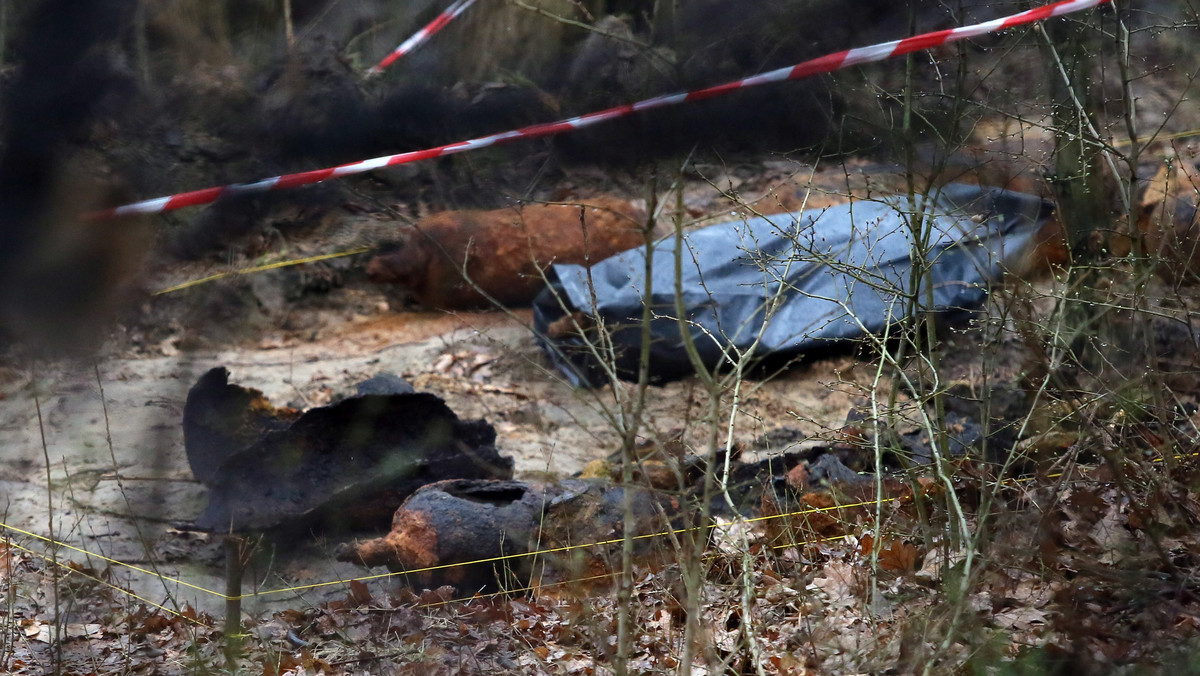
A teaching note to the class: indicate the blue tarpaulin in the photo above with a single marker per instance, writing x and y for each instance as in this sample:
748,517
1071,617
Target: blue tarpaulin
784,284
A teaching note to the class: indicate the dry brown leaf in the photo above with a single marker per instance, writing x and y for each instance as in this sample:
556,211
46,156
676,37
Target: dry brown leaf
935,563
929,487
433,597
1019,619
900,557
897,556
839,581
282,663
359,593
1112,534
89,630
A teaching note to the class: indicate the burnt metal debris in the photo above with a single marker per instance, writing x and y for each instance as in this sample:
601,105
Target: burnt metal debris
491,525
346,465
482,535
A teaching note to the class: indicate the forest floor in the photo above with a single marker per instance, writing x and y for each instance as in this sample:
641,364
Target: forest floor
1088,562
1103,579
123,456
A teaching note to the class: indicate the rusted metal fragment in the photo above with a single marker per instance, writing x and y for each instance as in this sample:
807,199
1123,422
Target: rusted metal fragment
458,259
350,464
459,521
586,520
477,534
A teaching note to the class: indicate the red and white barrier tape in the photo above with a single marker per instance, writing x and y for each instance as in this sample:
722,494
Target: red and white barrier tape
419,38
824,64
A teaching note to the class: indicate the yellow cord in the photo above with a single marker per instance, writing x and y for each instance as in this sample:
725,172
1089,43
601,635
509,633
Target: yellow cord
494,559
366,578
260,268
106,583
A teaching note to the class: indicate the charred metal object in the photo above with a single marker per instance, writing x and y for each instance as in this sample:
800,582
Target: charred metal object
484,534
349,464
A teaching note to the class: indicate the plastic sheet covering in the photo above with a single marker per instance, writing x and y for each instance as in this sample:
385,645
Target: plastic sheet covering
770,288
